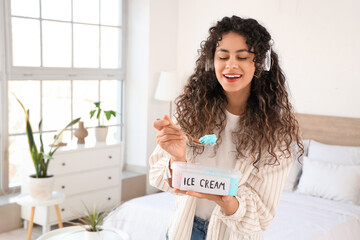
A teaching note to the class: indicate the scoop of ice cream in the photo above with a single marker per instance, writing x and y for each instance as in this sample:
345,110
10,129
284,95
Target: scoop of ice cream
208,139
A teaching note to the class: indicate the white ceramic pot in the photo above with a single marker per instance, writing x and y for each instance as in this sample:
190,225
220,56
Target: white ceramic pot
41,188
93,235
101,134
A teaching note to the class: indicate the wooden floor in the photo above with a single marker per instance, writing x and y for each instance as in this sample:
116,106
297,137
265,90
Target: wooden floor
21,234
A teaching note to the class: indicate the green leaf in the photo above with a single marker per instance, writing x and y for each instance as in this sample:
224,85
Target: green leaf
41,141
47,156
97,104
93,218
67,126
51,152
92,112
109,113
36,157
98,114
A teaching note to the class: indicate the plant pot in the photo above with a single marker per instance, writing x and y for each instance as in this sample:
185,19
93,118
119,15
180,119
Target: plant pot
41,188
94,235
101,134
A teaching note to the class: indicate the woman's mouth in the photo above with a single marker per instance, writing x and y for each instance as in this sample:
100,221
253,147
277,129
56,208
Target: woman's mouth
232,77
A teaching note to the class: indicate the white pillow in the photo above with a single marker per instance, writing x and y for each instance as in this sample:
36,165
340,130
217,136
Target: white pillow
330,180
295,171
332,153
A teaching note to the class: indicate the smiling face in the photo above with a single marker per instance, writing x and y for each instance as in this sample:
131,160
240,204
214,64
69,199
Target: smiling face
234,65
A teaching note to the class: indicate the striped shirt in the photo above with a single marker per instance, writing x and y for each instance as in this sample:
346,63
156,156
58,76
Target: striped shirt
258,195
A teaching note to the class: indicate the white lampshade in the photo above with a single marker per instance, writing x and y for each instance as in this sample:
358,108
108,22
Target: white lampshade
167,87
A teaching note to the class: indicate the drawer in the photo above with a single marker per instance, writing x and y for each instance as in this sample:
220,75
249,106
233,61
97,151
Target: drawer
83,160
73,207
87,181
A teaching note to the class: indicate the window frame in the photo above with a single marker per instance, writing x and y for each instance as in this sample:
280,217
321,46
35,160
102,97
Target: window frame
9,73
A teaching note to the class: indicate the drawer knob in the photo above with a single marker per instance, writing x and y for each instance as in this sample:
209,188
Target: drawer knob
109,198
63,186
109,177
63,164
63,209
110,157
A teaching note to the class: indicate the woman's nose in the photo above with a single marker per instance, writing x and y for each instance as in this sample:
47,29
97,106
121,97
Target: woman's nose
231,63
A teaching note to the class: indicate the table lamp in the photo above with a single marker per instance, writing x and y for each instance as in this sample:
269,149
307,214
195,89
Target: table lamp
167,88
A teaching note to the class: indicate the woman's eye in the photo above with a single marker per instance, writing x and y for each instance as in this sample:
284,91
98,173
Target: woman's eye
223,58
242,58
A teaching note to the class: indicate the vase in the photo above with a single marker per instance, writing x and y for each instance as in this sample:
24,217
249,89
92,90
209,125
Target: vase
81,133
101,134
94,235
41,188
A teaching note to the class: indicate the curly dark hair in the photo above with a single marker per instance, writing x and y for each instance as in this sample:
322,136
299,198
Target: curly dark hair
268,124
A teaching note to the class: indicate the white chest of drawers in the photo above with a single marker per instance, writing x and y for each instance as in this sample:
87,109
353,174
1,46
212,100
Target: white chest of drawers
89,175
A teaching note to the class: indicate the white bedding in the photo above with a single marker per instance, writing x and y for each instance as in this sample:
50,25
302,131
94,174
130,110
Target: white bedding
302,217
145,217
299,217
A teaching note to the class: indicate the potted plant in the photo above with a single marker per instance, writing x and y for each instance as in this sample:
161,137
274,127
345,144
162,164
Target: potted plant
101,130
41,183
92,223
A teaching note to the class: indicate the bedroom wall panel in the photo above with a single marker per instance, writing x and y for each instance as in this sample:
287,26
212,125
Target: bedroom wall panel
133,185
330,130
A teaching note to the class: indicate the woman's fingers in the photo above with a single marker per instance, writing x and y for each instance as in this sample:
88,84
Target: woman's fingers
226,198
159,124
167,118
210,197
216,198
171,130
170,133
179,191
167,138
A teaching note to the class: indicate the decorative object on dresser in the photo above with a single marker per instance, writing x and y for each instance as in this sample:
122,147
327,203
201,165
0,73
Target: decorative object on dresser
41,184
89,173
101,130
81,133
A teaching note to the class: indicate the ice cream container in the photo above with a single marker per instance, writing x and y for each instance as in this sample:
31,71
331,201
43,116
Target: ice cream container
205,179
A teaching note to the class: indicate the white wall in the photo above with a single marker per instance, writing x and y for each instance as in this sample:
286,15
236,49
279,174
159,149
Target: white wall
151,48
137,82
318,43
162,57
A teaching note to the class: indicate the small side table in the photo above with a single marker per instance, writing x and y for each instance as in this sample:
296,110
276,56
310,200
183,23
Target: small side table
27,200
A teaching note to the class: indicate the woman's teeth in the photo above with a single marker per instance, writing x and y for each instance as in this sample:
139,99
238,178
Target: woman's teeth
232,76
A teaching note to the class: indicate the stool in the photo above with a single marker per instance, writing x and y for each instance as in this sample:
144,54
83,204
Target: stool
27,201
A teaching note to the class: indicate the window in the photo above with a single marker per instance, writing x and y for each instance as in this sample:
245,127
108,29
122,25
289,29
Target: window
64,55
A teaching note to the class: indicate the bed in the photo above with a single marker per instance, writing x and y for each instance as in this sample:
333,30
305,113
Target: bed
321,199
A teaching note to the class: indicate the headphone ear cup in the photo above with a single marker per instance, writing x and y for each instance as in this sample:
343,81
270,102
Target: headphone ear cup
209,65
267,62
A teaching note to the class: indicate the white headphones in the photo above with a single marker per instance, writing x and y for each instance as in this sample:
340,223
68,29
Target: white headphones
267,62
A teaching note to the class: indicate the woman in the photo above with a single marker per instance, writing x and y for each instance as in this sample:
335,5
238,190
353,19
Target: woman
238,92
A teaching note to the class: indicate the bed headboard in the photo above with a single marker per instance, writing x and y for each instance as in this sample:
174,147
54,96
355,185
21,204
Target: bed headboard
330,130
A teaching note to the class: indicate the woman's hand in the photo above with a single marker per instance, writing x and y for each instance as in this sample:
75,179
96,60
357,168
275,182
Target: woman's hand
228,204
171,138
